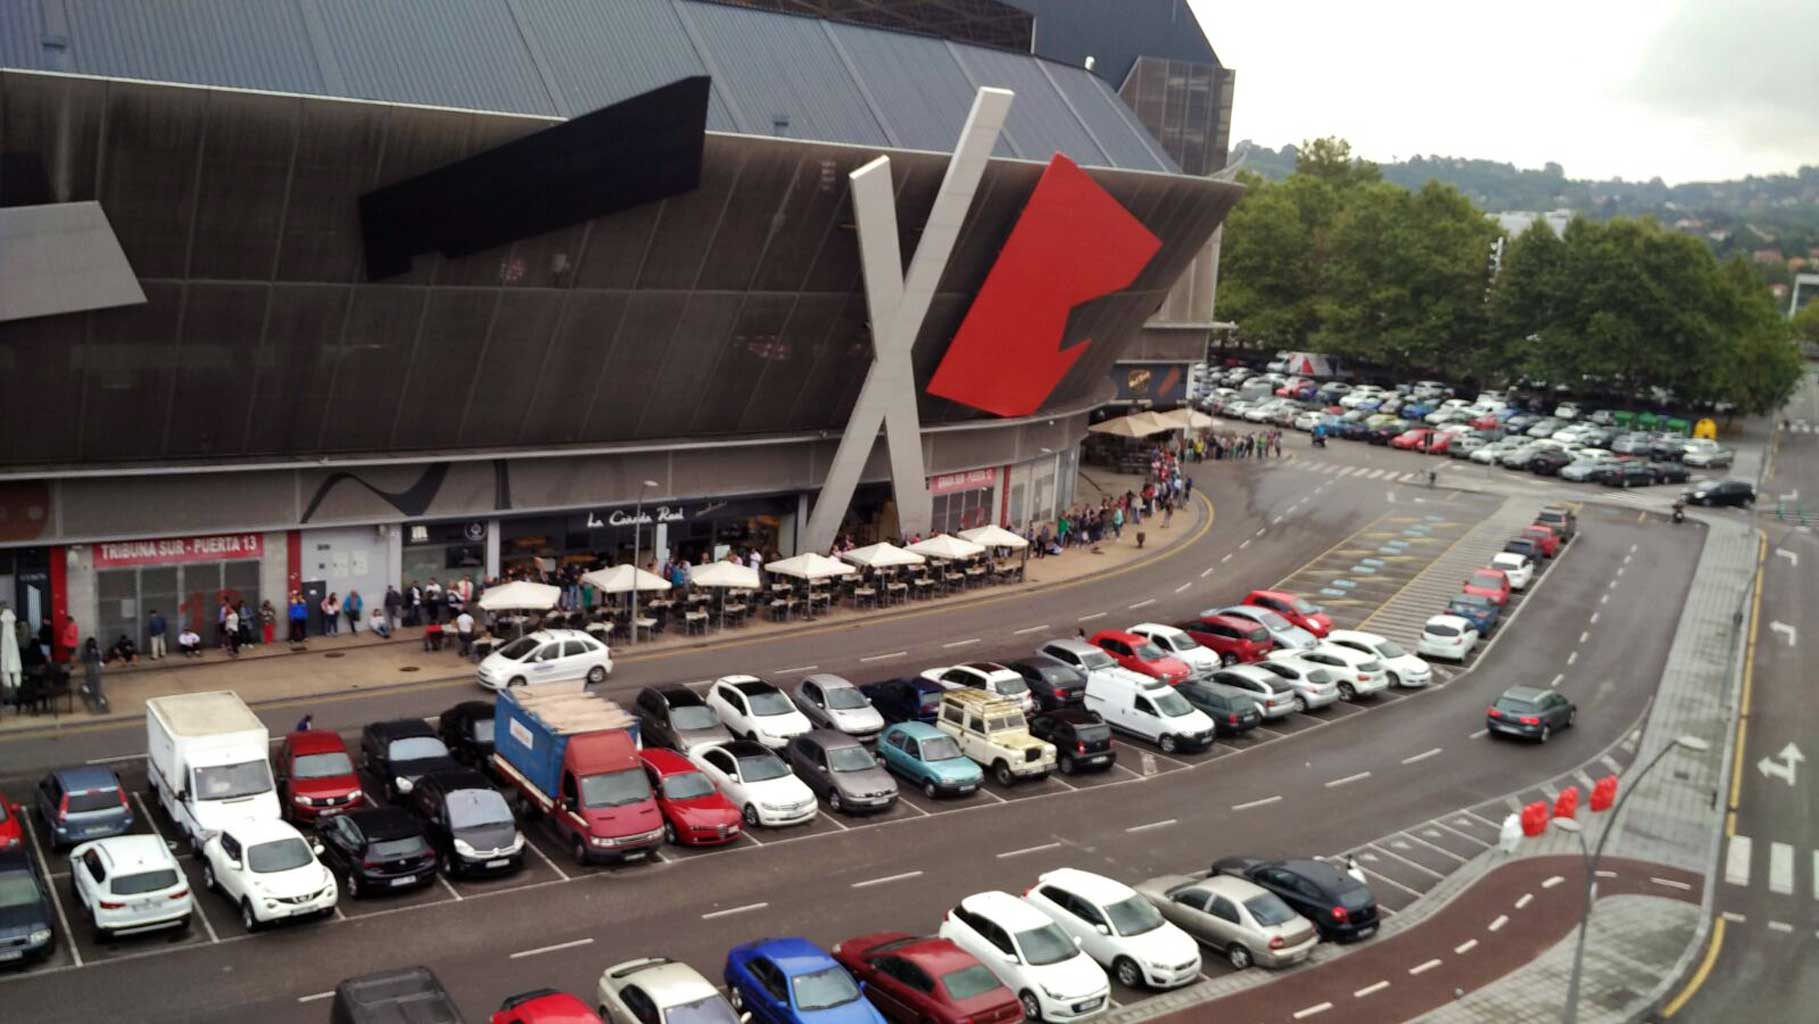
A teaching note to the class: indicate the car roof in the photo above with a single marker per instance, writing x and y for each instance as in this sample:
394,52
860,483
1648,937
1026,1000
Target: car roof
1096,888
750,686
1217,618
1042,662
988,667
1006,910
1487,570
1509,558
467,708
1253,672
452,779
1455,621
315,741
1317,871
385,822
792,954
667,981
544,635
666,762
831,739
1358,635
981,700
1155,627
745,748
400,728
1072,716
676,695
827,680
1528,693
262,830
86,777
1231,887
127,852
916,730
1118,634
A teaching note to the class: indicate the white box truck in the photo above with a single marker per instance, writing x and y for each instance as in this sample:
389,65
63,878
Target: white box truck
207,756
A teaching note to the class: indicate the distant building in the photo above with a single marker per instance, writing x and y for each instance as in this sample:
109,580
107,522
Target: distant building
1515,222
1806,290
1766,256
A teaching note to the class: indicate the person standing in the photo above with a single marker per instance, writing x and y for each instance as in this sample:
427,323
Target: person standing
91,674
413,605
393,602
231,630
221,623
353,606
331,614
299,617
67,639
155,628
268,622
11,665
464,630
432,599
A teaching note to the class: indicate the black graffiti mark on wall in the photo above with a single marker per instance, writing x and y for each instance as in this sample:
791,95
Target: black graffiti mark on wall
412,501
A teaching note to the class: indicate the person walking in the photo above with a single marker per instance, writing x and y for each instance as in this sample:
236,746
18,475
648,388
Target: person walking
91,676
268,621
331,614
155,628
299,617
353,606
393,602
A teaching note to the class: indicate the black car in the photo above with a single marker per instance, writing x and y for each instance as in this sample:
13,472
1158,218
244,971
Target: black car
1626,474
1381,436
676,717
1529,548
376,850
1340,906
467,732
1530,712
1055,683
409,993
27,931
400,752
1724,492
910,699
1549,462
467,822
1667,448
1670,472
1561,519
1232,712
1082,739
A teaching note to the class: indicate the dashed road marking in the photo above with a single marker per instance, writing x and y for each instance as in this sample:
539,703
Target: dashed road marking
793,670
1555,685
1145,603
1226,558
1164,823
1028,849
960,643
1594,619
1208,571
1584,636
1551,881
1089,618
521,954
884,657
730,911
316,996
1571,658
1243,544
1425,967
1312,1010
1734,917
1256,803
1028,629
1182,587
1479,734
1604,599
1370,990
1422,756
1465,947
1671,884
1497,925
887,879
1525,900
1780,926
1348,779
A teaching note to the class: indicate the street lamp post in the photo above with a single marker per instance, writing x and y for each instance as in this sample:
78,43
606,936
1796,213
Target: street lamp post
1593,856
637,530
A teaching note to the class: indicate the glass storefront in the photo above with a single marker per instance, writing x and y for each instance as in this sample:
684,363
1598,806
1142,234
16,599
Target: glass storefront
443,550
699,530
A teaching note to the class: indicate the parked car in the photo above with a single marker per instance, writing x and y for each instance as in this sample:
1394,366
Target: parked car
1137,654
28,928
1176,643
1414,440
831,702
656,988
547,656
1491,583
315,777
677,717
1701,452
1355,672
757,782
1081,738
755,710
928,759
1483,613
1053,978
841,771
914,979
1274,695
412,994
1669,472
1316,685
1527,547
988,676
1233,713
1530,713
695,813
1447,636
1544,537
401,751
1294,608
1152,710
1735,493
792,981
910,699
468,823
1404,669
1118,928
80,804
543,1006
1631,474
129,884
1340,906
1233,639
269,871
12,828
1548,461
1282,632
467,731
1236,916
1054,683
1517,569
377,849
993,732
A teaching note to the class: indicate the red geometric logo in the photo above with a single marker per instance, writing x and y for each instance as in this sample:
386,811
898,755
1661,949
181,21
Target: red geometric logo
1072,243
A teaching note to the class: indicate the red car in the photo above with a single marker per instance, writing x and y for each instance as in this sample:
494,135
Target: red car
1488,421
1235,639
1440,443
12,836
694,812
1140,654
544,1006
1415,440
1544,537
1297,610
914,979
1491,583
316,777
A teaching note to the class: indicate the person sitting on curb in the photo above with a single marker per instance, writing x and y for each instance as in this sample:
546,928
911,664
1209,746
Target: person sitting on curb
377,622
189,643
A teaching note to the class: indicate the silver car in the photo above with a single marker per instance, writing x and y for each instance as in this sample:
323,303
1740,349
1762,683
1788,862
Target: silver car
841,771
658,988
1286,634
1314,684
1274,696
1245,921
833,702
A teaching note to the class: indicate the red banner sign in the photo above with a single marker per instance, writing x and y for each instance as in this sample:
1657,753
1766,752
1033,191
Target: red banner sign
219,548
971,480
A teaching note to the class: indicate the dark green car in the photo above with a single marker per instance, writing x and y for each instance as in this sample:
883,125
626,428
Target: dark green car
1530,713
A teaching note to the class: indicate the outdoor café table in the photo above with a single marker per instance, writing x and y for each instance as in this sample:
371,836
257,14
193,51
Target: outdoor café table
899,592
736,612
975,576
924,586
646,624
865,595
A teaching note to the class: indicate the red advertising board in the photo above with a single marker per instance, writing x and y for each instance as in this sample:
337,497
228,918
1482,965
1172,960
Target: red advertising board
971,480
170,550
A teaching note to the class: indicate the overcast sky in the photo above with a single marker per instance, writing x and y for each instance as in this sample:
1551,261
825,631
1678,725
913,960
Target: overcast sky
1684,89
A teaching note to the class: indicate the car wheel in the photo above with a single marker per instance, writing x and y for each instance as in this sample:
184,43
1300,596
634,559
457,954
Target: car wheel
751,816
100,933
733,996
1067,764
1228,659
1168,743
447,864
1547,732
1239,957
596,675
183,923
1129,975
833,802
208,877
928,790
1572,717
1031,1008
515,682
353,885
579,851
1395,680
1002,771
1300,703
669,833
1348,691
247,917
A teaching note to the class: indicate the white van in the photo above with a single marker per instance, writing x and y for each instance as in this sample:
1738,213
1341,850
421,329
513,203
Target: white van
1150,708
206,755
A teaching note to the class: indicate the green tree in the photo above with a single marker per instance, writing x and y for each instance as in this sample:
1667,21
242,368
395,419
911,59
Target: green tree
1806,324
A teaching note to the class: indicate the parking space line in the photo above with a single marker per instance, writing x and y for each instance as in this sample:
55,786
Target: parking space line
56,898
445,885
1463,835
1417,865
1392,881
1058,780
544,857
1028,849
829,817
1411,835
989,793
150,820
521,954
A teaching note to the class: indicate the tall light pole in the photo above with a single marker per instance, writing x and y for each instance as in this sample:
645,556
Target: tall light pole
1593,856
638,530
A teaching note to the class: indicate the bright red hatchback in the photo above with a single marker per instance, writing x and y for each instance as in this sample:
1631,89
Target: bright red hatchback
316,777
694,812
544,1006
1298,610
913,979
1491,583
11,835
1141,655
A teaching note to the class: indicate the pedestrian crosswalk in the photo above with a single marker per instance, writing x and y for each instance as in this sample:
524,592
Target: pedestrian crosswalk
1337,470
1655,499
1781,874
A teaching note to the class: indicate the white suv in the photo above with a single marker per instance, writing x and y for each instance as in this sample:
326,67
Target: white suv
1034,958
130,884
1404,668
269,870
547,656
1118,928
752,708
1175,641
1357,673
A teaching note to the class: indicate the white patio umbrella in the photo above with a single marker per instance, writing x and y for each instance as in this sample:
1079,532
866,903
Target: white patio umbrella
1186,419
800,566
994,536
943,545
1141,424
622,578
882,556
825,566
724,574
520,595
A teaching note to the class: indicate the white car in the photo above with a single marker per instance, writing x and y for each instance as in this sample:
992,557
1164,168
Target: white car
1404,669
1518,568
752,708
658,988
1054,979
130,884
1447,636
1491,452
989,676
1203,660
1308,420
1566,411
1702,452
1355,672
1118,928
269,871
758,783
1312,682
547,656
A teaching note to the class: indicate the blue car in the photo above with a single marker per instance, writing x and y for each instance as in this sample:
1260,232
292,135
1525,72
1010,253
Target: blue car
1416,410
910,699
81,804
1481,612
791,981
929,759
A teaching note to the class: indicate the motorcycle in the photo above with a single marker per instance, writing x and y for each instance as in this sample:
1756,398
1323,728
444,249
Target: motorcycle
1679,511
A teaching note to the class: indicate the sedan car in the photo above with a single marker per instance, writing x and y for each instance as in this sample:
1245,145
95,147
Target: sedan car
676,717
28,930
1735,493
1340,906
1517,569
1137,654
1054,683
1282,632
1314,682
467,731
130,884
792,981
269,871
839,769
1232,712
694,812
1233,639
315,776
1054,979
1236,916
928,759
657,988
378,849
1274,695
1082,739
1118,928
831,702
547,656
1490,583
757,782
79,804
755,710
400,752
1294,608
1530,713
914,979
1447,636
911,699
1178,644
1404,669
1483,613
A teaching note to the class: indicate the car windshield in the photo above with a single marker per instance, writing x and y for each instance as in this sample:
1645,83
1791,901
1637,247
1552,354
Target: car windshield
819,990
1485,579
473,808
1046,945
845,698
482,730
1258,636
1389,649
517,649
1439,629
1472,601
145,881
1179,643
770,702
1515,706
95,800
761,768
1171,704
693,716
850,759
968,982
323,766
1133,916
1010,686
227,781
1096,659
1147,651
1269,909
1268,618
706,1010
615,789
999,723
1306,607
942,748
392,849
278,855
930,700
416,748
19,889
687,786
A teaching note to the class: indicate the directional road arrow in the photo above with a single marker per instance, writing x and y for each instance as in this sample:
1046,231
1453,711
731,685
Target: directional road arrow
1793,557
1787,768
1793,635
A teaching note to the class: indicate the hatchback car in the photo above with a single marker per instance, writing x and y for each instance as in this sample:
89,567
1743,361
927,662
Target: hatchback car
1734,493
401,751
28,930
1447,636
910,699
467,731
1137,654
695,813
1176,643
12,829
269,871
1544,537
1236,916
1490,583
1118,928
928,759
1356,673
79,804
757,782
915,979
1530,713
130,884
547,656
1054,979
792,981
315,777
543,1006
1233,713
841,771
470,825
377,849
1481,612
1340,906
1282,632
831,702
1404,669
676,717
657,988
1083,742
1233,639
755,710
1517,569
1053,682
1274,695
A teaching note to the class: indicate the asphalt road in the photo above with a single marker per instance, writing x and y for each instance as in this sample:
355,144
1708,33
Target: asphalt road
1317,784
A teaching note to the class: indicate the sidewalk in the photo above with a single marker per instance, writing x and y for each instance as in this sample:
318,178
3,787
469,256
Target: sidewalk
331,664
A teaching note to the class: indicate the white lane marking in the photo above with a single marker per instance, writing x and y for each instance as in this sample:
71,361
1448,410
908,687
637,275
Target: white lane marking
1610,763
1465,947
544,857
521,954
1479,734
1029,629
1571,658
1089,618
1632,549
1182,587
1257,803
793,670
1671,884
1310,1011
1208,571
1276,521
1780,926
960,643
1612,585
1164,823
1555,685
1028,849
1422,756
1527,898
1734,917
1584,636
1550,881
833,821
1244,543
1347,779
1226,558
884,657
1781,868
1145,603
1816,874
450,888
1383,877
1606,874
730,911
1260,530
315,996
56,899
123,757
1424,968
887,879
1594,619
1370,990
1497,925
1604,599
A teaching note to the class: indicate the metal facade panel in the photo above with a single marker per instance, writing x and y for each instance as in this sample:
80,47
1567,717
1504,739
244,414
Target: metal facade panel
451,53
251,44
598,61
916,82
1040,121
62,258
783,65
1114,125
21,37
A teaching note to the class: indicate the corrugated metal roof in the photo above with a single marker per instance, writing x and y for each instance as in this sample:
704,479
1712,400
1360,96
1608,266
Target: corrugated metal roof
1114,125
452,54
783,65
1039,120
916,82
254,44
600,61
21,32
